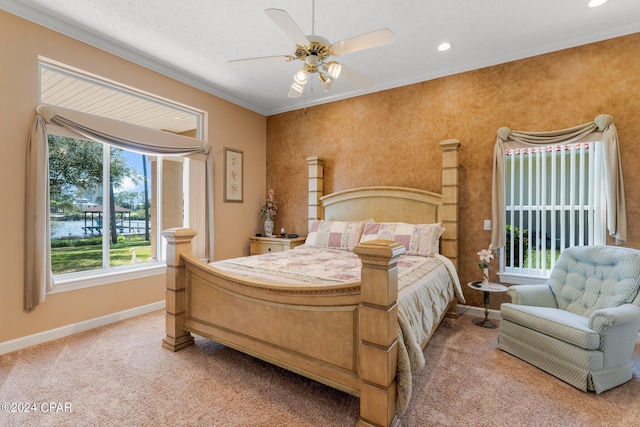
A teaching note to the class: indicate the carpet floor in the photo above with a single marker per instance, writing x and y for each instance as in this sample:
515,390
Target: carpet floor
120,375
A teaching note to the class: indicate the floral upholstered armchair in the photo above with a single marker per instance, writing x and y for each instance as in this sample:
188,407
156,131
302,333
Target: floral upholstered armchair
583,324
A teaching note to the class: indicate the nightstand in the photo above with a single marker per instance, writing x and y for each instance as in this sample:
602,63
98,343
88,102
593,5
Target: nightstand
264,245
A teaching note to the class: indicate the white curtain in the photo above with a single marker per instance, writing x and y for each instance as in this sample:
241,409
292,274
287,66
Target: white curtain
603,124
38,275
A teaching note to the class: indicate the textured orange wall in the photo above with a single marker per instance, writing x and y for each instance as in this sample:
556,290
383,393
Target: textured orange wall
391,137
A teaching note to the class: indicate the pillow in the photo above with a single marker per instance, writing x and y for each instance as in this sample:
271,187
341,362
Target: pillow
435,249
418,239
343,235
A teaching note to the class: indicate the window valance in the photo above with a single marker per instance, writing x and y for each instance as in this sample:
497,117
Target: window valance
602,128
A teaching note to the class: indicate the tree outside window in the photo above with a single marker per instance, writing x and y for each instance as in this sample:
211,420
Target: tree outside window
76,184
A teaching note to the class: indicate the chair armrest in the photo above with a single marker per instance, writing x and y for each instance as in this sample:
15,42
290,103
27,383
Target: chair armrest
623,315
535,295
618,328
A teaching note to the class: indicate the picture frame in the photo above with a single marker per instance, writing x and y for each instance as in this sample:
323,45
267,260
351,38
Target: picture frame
233,175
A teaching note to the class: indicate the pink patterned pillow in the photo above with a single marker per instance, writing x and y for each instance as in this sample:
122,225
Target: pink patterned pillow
418,239
335,234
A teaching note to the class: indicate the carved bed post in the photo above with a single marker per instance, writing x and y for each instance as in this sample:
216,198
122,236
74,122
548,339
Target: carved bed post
316,177
450,199
449,240
178,242
378,331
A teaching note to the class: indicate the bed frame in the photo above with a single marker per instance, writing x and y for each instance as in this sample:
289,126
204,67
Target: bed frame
343,336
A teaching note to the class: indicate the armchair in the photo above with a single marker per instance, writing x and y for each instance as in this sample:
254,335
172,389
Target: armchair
582,325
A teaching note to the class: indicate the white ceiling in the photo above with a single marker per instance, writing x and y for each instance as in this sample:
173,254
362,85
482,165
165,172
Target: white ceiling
193,40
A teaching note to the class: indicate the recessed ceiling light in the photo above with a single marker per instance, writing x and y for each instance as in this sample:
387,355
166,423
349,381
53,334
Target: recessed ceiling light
596,3
445,46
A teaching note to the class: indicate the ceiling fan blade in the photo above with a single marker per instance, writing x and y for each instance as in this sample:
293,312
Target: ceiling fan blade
288,25
262,60
363,41
355,78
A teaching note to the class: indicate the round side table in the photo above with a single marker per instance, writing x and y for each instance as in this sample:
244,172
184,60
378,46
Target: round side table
486,289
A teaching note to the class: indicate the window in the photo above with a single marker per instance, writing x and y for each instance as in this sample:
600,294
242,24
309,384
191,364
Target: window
108,205
101,206
554,199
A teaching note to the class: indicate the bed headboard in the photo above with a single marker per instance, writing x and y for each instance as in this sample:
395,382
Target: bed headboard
396,204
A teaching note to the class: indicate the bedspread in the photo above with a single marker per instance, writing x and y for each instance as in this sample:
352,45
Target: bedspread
426,285
302,266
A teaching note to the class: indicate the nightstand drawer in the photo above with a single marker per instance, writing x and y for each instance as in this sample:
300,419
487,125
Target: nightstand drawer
266,247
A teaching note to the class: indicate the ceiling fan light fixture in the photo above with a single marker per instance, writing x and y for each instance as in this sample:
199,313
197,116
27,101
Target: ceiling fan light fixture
295,90
325,82
334,69
300,77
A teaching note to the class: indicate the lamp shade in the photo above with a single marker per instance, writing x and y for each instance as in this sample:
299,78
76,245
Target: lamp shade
296,90
325,82
334,69
300,77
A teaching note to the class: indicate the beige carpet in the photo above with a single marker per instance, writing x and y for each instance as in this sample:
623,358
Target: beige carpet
120,375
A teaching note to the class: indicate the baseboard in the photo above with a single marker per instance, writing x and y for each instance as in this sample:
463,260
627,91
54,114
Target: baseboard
493,314
64,331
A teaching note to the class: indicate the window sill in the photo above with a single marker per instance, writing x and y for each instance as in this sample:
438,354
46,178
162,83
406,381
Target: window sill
82,280
521,279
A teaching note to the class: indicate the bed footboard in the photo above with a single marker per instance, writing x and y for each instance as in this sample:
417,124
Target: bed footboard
376,324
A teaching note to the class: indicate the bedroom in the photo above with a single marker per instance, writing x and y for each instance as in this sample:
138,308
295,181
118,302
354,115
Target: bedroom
550,91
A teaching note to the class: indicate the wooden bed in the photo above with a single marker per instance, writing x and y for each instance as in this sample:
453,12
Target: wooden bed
344,336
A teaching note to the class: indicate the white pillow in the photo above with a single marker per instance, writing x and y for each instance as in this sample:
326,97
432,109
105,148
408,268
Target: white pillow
343,235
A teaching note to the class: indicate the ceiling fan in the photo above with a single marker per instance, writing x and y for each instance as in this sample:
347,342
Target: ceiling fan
317,54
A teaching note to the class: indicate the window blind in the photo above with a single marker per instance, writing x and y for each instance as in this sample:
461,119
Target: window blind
554,200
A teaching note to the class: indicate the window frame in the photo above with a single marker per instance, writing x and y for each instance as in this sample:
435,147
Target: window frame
107,275
594,149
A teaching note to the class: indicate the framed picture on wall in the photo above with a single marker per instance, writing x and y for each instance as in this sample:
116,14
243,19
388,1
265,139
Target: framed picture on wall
233,160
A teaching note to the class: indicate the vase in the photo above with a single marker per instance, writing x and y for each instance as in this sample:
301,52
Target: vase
485,276
268,227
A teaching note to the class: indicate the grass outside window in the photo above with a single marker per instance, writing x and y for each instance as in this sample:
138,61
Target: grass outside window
86,254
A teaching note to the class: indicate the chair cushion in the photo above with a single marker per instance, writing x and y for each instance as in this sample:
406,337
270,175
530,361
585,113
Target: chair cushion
588,278
560,324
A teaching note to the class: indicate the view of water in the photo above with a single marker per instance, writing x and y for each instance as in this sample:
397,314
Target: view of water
63,229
